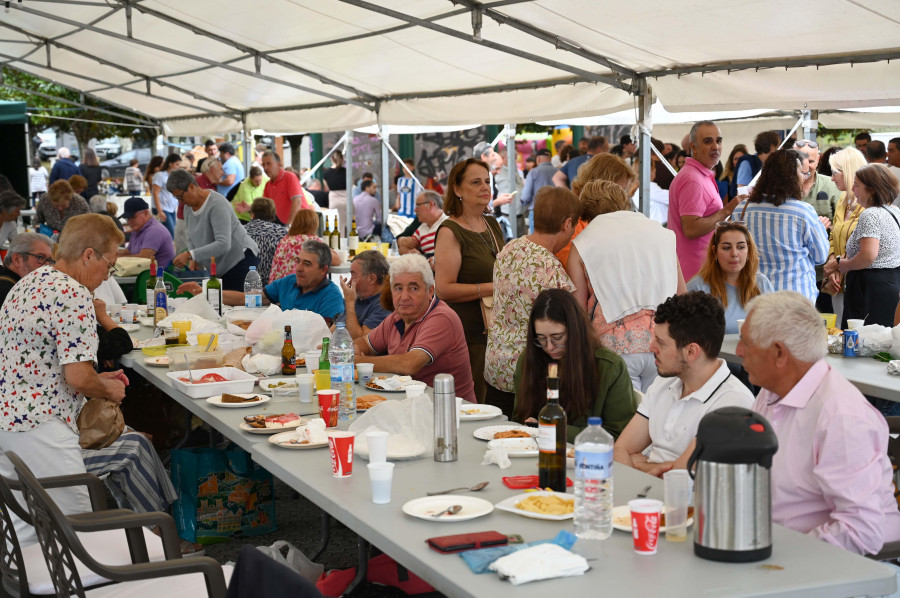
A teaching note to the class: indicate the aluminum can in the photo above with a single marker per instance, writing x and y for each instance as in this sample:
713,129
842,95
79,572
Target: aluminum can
851,343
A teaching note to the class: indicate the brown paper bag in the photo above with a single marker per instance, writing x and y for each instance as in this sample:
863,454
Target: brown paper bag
100,423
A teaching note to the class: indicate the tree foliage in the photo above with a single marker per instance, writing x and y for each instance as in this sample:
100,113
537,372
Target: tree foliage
83,130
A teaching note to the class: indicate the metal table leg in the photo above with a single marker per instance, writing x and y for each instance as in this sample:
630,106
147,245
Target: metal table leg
326,535
362,569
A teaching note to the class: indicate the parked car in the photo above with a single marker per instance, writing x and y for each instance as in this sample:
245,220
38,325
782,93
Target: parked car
115,167
108,149
47,150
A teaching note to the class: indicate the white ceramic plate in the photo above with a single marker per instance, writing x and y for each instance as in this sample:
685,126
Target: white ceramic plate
516,447
248,428
425,507
217,401
510,505
283,440
161,362
621,519
130,327
473,412
268,384
487,433
375,380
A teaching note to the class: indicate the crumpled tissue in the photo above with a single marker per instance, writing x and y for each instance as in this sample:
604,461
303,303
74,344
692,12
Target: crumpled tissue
479,560
893,367
498,456
545,561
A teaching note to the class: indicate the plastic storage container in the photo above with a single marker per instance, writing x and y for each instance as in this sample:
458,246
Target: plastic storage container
236,381
196,358
242,317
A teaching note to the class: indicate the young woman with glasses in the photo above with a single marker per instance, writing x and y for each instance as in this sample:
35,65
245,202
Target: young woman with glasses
731,272
593,381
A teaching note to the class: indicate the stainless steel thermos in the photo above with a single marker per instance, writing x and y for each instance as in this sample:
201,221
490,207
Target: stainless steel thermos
445,446
732,491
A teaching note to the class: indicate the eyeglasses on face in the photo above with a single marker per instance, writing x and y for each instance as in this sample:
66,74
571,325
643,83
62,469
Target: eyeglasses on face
557,340
111,267
40,259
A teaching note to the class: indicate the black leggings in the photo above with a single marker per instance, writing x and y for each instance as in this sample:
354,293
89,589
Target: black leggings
872,294
233,280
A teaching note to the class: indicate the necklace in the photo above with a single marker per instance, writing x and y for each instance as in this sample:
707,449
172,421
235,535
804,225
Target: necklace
490,245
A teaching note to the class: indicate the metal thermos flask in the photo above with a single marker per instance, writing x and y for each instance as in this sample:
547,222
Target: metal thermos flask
445,447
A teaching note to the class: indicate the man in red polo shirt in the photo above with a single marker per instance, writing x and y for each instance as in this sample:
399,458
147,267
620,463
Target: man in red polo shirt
423,337
283,188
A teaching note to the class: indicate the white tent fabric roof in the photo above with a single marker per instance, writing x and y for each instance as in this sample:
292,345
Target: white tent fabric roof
325,65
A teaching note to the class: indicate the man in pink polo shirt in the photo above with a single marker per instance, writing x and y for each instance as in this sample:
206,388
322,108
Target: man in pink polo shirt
283,188
423,337
694,203
831,476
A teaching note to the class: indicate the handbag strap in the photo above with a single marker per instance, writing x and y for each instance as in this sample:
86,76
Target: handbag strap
892,216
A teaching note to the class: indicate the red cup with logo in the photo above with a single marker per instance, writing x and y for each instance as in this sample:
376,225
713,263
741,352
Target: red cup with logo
645,516
329,401
341,446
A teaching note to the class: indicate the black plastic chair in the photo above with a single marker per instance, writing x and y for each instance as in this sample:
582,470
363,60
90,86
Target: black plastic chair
891,550
61,545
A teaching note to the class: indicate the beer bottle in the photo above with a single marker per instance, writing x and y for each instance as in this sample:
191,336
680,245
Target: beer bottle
323,374
552,437
151,286
288,354
214,288
353,240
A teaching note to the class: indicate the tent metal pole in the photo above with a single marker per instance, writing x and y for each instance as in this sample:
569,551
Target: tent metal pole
810,124
779,63
512,171
385,182
590,76
645,127
245,139
348,163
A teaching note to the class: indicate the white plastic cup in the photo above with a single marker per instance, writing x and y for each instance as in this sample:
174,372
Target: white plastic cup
377,442
677,498
307,384
414,389
381,475
365,371
115,312
740,324
855,324
134,307
312,360
127,316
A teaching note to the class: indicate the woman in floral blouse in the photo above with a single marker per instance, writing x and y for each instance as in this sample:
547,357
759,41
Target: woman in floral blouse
48,349
525,267
303,228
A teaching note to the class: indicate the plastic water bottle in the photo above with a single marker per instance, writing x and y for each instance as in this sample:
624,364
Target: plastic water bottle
340,354
593,482
253,289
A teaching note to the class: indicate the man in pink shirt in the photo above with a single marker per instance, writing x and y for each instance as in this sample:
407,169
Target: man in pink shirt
423,337
283,188
831,476
694,203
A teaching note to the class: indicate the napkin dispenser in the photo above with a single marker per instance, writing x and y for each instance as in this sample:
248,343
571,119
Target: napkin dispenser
732,487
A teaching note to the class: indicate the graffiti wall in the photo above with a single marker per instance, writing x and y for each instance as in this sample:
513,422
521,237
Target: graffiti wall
436,153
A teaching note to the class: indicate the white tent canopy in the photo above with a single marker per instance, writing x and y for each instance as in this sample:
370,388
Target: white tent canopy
324,65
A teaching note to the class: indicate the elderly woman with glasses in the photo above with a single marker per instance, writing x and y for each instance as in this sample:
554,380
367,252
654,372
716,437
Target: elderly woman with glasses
58,205
48,350
593,381
731,272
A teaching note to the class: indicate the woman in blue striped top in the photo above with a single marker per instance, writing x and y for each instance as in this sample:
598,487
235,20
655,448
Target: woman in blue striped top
787,230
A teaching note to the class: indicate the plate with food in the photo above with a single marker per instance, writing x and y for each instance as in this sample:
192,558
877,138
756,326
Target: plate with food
542,504
621,518
516,447
270,384
390,383
428,506
474,411
505,431
160,362
366,402
309,436
270,423
237,401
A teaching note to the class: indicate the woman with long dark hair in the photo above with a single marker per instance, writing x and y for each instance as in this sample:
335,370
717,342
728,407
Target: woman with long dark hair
787,230
593,381
731,272
91,171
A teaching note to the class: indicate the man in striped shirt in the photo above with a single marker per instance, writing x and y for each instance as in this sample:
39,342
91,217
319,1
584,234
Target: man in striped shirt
430,212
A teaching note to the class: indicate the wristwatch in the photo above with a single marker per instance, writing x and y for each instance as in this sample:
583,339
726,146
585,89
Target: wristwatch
837,258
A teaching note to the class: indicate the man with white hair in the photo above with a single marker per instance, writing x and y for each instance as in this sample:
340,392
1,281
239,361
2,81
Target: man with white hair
831,476
27,252
64,167
423,337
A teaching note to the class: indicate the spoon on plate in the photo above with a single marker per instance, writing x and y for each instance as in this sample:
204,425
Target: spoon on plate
474,488
452,510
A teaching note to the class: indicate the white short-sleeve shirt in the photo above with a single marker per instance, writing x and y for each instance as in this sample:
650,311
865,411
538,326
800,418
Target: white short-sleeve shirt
673,420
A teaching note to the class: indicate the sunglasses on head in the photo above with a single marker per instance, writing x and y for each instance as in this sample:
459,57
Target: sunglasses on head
805,142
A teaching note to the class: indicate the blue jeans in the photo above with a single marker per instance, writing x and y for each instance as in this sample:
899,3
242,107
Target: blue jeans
170,221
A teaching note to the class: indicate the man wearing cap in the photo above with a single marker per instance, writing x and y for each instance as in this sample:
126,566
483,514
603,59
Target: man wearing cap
540,176
149,237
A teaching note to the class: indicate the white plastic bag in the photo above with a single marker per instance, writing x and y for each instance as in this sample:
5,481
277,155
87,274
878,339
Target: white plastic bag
266,333
295,560
895,347
873,339
410,423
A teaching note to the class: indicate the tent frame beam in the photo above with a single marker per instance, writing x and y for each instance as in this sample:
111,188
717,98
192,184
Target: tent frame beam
195,58
546,36
587,75
81,104
778,63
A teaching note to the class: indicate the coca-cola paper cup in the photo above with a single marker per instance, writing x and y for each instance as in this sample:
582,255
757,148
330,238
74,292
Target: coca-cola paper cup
329,402
645,524
341,446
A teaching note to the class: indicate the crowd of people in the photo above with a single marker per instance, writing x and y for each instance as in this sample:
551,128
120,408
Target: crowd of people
633,309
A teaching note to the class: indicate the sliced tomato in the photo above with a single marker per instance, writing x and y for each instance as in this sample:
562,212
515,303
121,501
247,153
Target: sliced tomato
212,378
